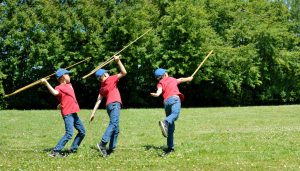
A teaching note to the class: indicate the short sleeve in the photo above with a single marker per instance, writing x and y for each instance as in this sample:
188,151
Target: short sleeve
100,93
57,88
115,78
159,85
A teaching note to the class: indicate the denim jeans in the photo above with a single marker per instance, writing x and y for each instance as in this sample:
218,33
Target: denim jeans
172,108
112,131
71,121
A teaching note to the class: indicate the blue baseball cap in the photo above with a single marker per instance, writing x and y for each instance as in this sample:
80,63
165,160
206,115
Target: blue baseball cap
60,72
159,72
100,72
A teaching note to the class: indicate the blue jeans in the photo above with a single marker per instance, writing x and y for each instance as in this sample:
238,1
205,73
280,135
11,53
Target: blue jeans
172,108
112,131
71,121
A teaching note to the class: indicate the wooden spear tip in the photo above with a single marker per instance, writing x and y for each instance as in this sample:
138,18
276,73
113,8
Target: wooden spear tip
8,95
84,77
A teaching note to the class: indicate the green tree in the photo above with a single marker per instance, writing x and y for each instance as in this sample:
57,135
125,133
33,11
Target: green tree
256,48
2,93
294,6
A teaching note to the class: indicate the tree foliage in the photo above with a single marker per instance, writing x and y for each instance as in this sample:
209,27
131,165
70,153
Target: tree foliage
256,48
2,93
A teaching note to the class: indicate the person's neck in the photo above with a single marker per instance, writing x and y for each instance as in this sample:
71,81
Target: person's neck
104,79
63,82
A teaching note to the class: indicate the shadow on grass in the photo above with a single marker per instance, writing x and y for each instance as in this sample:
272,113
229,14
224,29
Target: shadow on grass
150,147
109,152
47,150
63,152
93,147
160,150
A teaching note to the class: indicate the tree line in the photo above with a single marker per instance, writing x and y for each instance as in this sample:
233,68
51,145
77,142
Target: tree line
256,47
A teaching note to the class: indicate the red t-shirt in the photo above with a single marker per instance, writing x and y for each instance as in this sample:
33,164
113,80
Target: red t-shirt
109,90
67,99
170,88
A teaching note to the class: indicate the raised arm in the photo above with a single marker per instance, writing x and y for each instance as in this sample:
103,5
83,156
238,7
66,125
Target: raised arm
99,99
50,88
123,71
186,79
158,92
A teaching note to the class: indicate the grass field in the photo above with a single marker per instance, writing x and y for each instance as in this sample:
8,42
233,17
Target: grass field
244,138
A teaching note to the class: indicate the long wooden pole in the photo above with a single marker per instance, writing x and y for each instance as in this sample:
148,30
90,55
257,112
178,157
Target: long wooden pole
100,66
25,87
39,81
202,63
112,57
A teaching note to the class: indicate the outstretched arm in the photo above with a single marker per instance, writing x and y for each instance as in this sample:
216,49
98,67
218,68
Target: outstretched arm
121,67
158,92
50,88
186,79
99,99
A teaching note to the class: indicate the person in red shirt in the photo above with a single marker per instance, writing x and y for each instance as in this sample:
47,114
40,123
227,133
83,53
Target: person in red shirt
109,90
168,87
69,109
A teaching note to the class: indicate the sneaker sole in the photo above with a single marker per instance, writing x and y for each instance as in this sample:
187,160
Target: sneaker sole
51,155
100,150
167,153
161,125
56,155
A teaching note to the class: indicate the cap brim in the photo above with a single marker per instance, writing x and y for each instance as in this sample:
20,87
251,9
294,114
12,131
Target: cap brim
67,72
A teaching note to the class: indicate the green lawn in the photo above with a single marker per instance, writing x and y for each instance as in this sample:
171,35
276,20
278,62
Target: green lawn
246,138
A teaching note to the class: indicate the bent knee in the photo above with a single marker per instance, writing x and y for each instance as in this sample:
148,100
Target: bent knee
82,134
69,135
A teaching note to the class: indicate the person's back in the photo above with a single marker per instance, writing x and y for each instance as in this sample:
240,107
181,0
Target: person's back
169,87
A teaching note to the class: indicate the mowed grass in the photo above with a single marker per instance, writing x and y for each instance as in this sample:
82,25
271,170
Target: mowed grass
242,138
